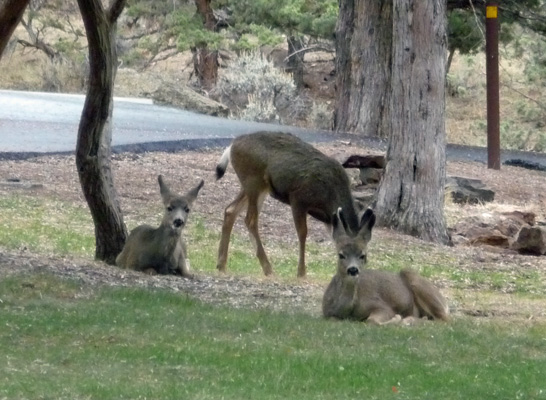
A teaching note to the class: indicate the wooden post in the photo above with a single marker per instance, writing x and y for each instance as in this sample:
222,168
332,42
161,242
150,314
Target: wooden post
492,70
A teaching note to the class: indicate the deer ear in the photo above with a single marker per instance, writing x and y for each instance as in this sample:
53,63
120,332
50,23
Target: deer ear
338,224
366,224
192,194
163,189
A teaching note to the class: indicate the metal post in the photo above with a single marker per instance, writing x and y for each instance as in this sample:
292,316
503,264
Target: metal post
492,70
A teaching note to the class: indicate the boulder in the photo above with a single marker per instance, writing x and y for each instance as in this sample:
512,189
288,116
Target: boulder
370,167
491,228
468,190
531,240
369,161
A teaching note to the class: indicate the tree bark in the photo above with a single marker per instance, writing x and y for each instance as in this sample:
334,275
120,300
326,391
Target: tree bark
295,60
95,131
206,60
11,13
363,64
411,194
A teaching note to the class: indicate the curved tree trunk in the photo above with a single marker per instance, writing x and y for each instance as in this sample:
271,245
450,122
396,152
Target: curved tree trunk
363,65
95,130
411,195
11,13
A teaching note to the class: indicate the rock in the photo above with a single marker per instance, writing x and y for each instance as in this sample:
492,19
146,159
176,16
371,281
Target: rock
525,216
370,176
468,191
370,166
166,91
364,198
369,161
186,98
491,229
531,240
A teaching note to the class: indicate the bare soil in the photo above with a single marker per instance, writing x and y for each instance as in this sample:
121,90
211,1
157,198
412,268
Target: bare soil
136,183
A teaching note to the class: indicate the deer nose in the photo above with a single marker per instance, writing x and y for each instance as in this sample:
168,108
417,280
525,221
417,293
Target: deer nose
353,271
178,223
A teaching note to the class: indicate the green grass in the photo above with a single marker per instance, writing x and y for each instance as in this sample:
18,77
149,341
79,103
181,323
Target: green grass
46,226
61,340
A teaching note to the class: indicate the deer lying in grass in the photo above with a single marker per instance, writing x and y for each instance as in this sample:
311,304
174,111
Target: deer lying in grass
379,297
291,171
161,250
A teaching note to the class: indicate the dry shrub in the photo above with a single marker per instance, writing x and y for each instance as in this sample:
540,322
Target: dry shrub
321,116
65,76
253,88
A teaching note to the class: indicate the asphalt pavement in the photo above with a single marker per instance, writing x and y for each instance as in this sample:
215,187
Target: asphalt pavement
34,123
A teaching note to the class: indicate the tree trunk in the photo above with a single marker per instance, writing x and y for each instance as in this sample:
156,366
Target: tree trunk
363,65
295,60
95,130
205,61
11,12
411,194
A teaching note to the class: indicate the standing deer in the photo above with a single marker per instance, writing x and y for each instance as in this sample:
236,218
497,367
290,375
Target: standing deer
161,250
293,172
379,297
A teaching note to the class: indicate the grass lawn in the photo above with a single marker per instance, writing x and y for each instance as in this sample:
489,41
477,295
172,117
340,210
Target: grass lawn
61,340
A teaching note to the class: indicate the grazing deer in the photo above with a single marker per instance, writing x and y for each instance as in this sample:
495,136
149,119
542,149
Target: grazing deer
292,171
379,297
161,250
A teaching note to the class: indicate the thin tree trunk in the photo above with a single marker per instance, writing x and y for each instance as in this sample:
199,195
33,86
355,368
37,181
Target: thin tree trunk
206,60
95,131
11,13
363,64
295,60
411,194
449,60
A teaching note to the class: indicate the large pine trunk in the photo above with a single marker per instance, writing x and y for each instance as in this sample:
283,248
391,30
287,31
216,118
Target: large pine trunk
95,130
411,195
363,64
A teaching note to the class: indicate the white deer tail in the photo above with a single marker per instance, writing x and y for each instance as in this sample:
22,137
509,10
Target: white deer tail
223,163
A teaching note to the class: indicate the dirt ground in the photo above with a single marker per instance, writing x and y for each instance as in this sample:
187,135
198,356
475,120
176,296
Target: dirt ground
136,183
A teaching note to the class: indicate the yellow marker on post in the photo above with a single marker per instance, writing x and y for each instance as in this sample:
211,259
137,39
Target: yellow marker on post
491,11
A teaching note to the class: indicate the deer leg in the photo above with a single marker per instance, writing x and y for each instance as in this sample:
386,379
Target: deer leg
230,215
300,220
383,317
254,206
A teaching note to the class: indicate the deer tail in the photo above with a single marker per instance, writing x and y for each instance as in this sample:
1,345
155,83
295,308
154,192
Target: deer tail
223,163
427,297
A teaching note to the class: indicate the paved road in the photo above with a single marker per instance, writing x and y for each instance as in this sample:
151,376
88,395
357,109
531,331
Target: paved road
48,122
32,122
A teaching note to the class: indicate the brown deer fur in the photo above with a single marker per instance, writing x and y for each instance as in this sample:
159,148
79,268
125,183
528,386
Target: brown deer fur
161,250
293,172
379,297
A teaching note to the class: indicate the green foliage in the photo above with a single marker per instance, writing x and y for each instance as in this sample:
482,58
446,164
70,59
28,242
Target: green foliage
292,17
256,36
141,343
463,33
187,26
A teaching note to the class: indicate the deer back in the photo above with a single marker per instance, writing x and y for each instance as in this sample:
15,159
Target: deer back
296,173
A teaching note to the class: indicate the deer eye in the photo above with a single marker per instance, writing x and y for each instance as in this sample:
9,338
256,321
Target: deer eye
187,209
170,208
363,257
341,256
